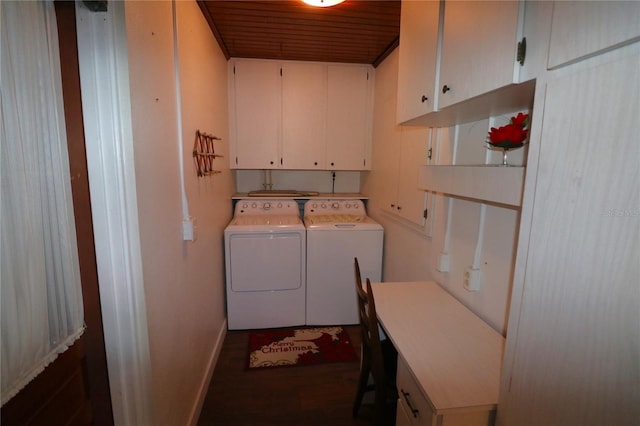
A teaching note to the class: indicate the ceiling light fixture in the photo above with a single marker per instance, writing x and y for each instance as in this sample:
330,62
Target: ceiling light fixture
322,3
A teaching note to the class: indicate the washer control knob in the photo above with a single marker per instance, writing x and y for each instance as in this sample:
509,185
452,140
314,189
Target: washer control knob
335,206
266,206
254,205
279,205
245,205
347,206
323,206
314,205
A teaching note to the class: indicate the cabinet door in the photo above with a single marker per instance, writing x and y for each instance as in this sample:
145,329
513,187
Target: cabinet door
583,28
387,154
303,115
256,114
348,111
577,327
479,48
411,201
417,84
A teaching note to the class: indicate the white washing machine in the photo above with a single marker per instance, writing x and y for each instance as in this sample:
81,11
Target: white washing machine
338,231
265,246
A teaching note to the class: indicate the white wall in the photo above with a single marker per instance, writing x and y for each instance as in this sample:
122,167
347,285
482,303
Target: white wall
313,180
410,254
184,281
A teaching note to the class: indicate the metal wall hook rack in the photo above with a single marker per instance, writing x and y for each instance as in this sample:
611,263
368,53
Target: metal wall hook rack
204,154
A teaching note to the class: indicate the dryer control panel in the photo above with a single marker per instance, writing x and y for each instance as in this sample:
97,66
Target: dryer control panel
266,207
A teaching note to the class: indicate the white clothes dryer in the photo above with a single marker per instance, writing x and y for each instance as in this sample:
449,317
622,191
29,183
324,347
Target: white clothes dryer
337,232
265,246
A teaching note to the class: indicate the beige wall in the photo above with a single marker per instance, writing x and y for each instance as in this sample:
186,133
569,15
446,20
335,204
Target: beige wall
307,180
184,281
410,253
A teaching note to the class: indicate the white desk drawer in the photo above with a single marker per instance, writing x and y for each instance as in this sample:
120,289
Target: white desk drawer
414,410
411,400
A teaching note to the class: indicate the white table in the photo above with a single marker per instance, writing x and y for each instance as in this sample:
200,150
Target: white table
448,356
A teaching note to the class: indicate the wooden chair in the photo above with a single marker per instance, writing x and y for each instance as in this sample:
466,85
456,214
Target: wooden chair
373,355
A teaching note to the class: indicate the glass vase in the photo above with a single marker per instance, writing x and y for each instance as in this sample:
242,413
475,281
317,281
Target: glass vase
504,157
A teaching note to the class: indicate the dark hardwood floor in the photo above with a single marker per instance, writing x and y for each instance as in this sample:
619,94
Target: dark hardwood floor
317,395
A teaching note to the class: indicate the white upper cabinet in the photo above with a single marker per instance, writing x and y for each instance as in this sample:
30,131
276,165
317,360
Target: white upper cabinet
580,29
405,153
401,151
303,115
418,64
300,115
479,48
465,59
349,109
255,114
411,202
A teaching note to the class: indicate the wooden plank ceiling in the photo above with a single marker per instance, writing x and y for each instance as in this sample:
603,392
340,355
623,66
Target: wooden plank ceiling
355,31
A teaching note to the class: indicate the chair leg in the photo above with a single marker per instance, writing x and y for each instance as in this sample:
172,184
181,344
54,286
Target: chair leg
365,371
379,403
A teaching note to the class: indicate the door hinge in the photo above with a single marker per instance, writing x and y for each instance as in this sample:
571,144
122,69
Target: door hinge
426,213
96,5
522,51
429,153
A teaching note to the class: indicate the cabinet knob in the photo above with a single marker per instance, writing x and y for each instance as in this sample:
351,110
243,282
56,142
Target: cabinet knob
424,99
271,162
332,164
393,206
315,163
445,88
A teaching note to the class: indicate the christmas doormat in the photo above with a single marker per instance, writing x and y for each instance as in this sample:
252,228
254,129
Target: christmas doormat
298,347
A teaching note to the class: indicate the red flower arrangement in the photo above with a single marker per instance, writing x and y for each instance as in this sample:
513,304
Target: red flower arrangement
512,135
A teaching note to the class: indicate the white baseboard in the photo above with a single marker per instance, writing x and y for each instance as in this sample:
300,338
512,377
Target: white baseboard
206,380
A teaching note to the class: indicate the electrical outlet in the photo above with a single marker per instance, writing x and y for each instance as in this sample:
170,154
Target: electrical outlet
444,262
189,229
472,279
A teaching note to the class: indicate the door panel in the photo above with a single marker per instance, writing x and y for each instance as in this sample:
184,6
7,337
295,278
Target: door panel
74,389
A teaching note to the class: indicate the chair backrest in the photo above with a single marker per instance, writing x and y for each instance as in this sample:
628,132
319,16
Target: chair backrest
371,346
358,275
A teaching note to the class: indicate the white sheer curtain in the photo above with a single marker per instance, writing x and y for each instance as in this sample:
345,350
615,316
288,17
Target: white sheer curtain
41,300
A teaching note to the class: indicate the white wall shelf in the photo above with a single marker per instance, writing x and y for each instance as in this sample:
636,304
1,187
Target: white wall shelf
504,100
494,184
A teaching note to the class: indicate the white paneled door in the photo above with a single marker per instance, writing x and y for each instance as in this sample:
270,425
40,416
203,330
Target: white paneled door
574,355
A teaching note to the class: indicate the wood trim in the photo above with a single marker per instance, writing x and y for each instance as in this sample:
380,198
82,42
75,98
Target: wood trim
56,396
96,361
394,44
74,388
214,29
